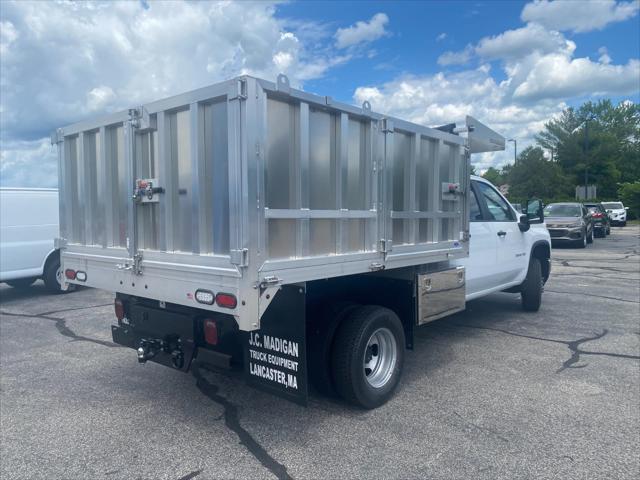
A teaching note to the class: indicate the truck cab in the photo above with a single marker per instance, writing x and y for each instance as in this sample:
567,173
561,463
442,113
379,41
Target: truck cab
501,247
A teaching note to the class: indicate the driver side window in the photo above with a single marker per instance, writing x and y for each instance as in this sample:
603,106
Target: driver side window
497,208
475,214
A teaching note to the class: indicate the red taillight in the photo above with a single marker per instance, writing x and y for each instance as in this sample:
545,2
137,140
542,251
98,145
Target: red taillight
211,331
226,300
70,274
119,308
597,215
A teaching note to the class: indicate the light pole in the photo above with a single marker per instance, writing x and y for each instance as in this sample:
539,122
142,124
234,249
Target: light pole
586,150
515,149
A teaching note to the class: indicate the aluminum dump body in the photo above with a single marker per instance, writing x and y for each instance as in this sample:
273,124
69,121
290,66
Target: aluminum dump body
250,184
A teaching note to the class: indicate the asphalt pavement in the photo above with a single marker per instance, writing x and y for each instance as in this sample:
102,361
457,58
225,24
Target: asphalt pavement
492,392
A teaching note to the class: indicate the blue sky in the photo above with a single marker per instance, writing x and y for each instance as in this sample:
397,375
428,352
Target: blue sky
413,47
512,64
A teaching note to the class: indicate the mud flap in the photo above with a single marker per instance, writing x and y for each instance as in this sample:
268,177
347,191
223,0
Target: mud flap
275,357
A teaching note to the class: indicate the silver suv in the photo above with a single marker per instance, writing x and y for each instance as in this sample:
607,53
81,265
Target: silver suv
570,223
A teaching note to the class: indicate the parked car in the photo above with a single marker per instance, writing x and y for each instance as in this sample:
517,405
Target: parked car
601,221
28,227
517,207
617,212
569,222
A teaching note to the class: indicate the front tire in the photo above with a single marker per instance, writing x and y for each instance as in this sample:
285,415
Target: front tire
582,242
590,237
368,356
532,287
20,283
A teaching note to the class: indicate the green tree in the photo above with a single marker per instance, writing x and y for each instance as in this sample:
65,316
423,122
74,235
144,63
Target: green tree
629,194
494,176
536,176
600,139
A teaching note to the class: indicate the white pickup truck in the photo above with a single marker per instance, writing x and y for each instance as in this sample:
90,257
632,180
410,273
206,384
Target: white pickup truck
251,225
503,257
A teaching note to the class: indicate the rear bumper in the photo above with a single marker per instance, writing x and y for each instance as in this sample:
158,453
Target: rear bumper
173,336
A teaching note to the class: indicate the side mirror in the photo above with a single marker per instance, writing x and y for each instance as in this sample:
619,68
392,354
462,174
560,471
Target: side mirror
523,223
534,211
626,208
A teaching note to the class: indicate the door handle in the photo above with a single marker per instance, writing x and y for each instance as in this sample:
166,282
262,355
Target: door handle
502,233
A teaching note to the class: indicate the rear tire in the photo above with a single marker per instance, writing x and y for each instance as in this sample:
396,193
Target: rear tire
53,277
368,356
608,232
20,283
320,342
532,287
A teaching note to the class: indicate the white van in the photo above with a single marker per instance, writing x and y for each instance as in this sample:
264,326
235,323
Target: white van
28,227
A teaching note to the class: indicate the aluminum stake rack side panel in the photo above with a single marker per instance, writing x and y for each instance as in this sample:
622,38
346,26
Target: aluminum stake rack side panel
247,185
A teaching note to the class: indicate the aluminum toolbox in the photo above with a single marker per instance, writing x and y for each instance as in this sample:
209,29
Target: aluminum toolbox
248,184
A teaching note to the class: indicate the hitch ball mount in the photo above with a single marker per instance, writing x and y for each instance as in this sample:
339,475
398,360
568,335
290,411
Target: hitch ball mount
149,348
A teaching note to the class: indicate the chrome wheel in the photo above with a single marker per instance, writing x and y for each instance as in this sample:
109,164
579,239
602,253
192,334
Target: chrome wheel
59,276
380,357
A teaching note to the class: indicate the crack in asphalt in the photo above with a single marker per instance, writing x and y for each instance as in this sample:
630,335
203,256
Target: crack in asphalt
592,295
63,329
565,263
232,421
595,275
191,475
573,345
482,429
75,308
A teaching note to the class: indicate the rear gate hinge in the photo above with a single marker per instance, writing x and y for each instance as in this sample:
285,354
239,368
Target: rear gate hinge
240,257
134,265
386,125
240,92
384,245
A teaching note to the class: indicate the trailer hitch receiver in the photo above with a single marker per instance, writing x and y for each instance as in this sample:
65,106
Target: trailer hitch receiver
149,348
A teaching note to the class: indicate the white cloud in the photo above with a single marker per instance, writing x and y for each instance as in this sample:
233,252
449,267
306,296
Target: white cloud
558,76
68,60
540,64
29,164
578,16
509,45
65,61
456,58
541,74
448,97
362,32
441,37
604,56
520,42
